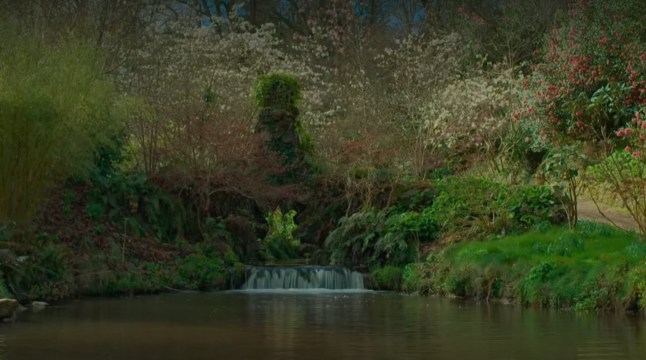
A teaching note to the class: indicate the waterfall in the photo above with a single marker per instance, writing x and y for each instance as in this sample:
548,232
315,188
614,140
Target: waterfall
302,277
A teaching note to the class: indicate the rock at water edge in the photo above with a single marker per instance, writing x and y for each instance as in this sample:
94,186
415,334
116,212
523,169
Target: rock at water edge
37,306
8,308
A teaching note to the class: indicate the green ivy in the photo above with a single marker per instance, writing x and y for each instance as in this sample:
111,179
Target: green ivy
279,91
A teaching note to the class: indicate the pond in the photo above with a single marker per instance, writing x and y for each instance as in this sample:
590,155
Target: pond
313,325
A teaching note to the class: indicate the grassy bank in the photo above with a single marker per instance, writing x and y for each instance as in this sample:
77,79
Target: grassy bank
595,268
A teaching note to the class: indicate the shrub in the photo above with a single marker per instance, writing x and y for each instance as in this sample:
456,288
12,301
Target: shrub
412,223
477,207
623,174
94,210
402,235
471,114
636,288
534,205
472,204
351,243
561,169
592,76
415,199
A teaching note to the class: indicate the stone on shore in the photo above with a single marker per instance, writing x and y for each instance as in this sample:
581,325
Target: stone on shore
8,308
37,306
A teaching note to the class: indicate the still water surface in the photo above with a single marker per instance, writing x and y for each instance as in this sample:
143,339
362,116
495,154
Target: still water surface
321,325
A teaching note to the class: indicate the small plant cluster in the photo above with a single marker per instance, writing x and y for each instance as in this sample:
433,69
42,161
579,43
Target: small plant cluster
280,243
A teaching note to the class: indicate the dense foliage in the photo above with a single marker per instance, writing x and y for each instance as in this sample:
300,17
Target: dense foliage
475,207
374,238
56,109
465,208
589,84
154,145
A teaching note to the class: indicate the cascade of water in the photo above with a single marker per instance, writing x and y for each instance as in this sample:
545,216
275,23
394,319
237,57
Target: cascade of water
302,277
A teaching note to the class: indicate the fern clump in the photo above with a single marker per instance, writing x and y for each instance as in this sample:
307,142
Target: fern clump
373,238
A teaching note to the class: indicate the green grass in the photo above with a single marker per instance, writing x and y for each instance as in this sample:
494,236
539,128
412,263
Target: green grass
595,268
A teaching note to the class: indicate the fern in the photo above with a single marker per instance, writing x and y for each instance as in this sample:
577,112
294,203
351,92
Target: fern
372,239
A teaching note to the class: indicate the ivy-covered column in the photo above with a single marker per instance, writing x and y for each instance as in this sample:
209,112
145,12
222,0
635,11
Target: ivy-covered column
277,97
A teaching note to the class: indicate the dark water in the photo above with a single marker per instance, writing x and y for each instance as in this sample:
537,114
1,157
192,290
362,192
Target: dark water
314,326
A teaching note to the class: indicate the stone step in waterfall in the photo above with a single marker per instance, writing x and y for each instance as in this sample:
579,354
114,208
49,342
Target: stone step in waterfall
302,277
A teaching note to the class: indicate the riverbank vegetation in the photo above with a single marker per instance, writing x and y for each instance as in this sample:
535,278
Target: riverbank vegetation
595,267
441,147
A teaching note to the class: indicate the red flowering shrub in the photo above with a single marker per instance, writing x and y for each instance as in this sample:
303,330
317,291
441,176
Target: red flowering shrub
634,134
591,79
588,86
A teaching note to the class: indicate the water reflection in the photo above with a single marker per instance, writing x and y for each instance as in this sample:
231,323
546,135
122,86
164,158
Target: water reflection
327,325
3,347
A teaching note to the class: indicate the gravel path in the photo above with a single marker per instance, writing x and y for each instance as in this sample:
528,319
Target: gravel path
588,211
